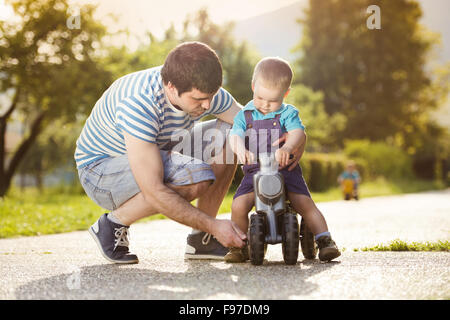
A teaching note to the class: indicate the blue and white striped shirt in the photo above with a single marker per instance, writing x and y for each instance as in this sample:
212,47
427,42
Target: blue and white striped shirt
136,104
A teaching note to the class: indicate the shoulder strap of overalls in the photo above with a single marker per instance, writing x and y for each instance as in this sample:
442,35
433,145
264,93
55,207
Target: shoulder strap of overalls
248,118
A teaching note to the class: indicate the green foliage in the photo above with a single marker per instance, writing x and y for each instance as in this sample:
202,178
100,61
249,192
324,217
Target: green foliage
55,67
321,128
238,59
376,78
51,71
60,84
53,150
31,213
399,245
431,156
321,170
121,61
382,159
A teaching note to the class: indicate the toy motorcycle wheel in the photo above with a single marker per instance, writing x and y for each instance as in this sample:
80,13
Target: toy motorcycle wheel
309,247
290,238
257,235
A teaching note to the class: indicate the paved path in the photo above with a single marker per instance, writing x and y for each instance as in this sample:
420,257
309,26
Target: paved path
69,266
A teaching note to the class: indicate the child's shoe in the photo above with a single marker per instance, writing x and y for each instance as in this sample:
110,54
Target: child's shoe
327,249
237,255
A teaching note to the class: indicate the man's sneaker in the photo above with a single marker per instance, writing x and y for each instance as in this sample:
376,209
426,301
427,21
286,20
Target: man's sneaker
327,249
237,254
203,245
112,240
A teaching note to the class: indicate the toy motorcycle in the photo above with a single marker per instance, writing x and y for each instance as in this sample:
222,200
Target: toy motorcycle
348,189
275,221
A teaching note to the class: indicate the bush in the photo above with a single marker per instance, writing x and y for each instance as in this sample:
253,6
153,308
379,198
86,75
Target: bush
382,159
321,170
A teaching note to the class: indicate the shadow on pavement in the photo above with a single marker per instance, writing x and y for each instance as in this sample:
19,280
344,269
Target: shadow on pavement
198,280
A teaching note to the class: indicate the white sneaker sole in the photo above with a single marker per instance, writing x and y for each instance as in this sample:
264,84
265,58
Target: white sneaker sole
190,255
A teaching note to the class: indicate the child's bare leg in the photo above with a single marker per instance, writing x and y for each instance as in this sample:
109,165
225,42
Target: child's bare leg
240,208
308,210
317,224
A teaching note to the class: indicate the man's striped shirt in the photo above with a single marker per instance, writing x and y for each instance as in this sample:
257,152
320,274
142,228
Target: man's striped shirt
136,104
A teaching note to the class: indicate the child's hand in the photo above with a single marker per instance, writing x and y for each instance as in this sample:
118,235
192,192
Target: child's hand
246,157
282,156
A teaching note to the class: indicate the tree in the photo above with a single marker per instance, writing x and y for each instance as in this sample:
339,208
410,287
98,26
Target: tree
121,61
376,78
321,128
51,71
53,150
238,59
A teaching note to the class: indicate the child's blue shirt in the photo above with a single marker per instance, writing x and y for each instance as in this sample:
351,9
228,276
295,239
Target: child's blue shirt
354,175
289,118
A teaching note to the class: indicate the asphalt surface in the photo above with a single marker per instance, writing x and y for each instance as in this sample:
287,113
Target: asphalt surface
69,266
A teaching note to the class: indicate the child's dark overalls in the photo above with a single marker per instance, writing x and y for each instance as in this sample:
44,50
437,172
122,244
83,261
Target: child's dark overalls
257,131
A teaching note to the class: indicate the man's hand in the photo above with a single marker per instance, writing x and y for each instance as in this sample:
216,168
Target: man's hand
228,234
297,151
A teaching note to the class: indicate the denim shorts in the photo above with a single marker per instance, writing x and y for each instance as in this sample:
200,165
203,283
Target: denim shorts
109,182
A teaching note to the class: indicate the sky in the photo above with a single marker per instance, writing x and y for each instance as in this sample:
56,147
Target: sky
156,16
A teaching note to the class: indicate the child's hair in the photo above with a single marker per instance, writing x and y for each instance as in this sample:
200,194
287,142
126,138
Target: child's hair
351,163
273,71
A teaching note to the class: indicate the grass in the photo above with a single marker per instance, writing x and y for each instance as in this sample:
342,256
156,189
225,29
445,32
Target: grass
399,245
55,210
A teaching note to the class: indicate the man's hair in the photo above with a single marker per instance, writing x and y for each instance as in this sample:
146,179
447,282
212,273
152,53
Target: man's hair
193,65
273,71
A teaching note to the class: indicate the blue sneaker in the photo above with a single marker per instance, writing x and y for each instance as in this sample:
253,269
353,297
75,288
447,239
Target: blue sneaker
112,240
204,246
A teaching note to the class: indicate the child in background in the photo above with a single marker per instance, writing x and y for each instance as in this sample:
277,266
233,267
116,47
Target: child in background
349,181
271,82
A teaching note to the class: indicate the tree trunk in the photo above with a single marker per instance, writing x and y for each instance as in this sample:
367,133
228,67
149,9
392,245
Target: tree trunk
39,181
3,124
7,175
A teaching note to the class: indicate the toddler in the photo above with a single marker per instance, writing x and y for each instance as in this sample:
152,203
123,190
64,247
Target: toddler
349,181
263,120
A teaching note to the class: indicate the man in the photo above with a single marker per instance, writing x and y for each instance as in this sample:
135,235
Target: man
126,161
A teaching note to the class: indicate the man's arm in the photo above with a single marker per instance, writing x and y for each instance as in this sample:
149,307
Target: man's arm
231,112
148,170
